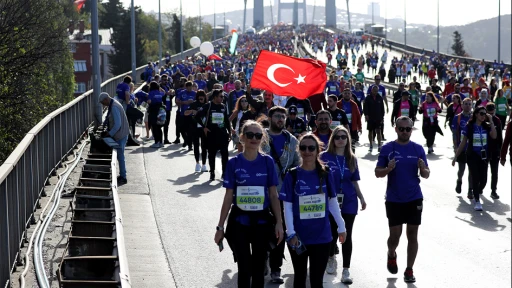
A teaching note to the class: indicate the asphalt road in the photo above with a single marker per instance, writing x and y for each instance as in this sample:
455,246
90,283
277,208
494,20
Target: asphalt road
458,246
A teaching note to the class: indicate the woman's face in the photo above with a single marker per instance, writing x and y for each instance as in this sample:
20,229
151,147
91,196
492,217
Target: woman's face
340,139
244,103
200,99
429,98
250,137
456,101
305,153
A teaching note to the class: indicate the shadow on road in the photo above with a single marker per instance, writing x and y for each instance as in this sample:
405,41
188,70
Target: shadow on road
226,281
482,219
196,190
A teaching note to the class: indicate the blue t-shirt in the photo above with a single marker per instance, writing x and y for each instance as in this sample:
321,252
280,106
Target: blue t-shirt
278,142
324,138
347,107
142,97
449,97
404,181
237,94
156,97
185,96
480,137
382,90
201,84
250,181
345,178
310,208
121,89
333,88
460,127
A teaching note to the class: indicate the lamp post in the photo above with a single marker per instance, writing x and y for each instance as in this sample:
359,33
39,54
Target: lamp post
245,12
499,31
214,22
134,62
159,35
405,22
385,21
348,16
200,23
437,26
96,64
181,30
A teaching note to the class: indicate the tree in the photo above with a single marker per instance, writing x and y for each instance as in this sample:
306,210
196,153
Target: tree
36,66
149,28
458,44
191,29
111,15
121,41
174,35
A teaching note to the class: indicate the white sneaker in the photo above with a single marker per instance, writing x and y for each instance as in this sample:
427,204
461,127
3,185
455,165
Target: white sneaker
478,206
155,145
204,169
345,277
331,265
151,138
198,167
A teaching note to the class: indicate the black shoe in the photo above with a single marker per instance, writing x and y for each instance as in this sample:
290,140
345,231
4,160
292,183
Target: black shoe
470,194
212,176
458,188
222,177
495,195
177,141
121,181
166,141
184,145
392,266
190,148
408,276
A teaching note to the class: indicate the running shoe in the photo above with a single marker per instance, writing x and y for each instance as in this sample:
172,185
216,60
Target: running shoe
121,181
331,265
370,150
478,206
184,145
345,277
458,188
470,194
392,266
204,169
276,278
198,167
495,195
409,276
166,142
151,138
177,141
155,145
212,176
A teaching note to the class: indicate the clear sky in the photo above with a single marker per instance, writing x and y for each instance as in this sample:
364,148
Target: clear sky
452,12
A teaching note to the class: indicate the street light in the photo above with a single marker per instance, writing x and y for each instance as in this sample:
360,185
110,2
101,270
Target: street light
405,22
134,63
96,64
159,35
181,30
499,31
200,23
437,26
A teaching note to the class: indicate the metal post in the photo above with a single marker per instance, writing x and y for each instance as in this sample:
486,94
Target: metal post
348,15
200,23
181,30
405,22
96,63
296,14
386,20
271,14
499,31
373,19
214,22
134,62
245,12
224,22
159,35
437,26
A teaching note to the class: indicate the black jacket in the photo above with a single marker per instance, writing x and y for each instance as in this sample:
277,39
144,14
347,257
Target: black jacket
396,109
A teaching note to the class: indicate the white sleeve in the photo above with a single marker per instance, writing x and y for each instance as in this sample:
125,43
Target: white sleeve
334,207
288,218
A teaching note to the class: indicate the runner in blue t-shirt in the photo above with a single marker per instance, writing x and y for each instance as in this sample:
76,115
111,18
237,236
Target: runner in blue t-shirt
401,160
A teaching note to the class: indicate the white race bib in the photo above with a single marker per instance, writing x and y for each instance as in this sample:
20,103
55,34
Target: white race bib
502,107
404,112
431,112
332,88
250,198
335,124
349,117
479,142
217,118
300,112
312,206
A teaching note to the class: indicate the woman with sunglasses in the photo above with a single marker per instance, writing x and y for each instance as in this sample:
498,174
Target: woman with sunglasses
476,133
309,197
343,163
241,106
251,194
430,108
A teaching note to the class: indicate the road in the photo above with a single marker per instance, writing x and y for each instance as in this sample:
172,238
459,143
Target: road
458,246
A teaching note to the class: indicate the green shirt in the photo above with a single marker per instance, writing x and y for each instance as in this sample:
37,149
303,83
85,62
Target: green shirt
360,77
501,106
414,97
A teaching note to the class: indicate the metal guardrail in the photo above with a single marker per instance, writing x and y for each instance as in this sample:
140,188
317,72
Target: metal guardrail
28,168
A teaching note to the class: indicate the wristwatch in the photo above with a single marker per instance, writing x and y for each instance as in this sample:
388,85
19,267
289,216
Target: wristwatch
220,228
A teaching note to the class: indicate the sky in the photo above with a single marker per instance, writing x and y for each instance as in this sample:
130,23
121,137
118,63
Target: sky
467,11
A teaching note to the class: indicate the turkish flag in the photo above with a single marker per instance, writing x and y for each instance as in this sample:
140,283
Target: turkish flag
289,76
79,4
215,57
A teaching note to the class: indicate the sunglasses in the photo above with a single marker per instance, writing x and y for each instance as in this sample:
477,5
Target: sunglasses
342,137
402,129
243,101
482,113
251,135
310,148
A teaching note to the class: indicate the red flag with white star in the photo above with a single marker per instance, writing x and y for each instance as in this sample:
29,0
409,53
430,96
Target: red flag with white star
79,4
289,76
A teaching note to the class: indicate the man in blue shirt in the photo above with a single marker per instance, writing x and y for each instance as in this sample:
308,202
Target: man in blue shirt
149,72
401,160
184,99
458,125
123,92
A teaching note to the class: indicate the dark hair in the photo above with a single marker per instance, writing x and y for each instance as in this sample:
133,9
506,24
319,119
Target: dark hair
200,93
474,115
276,109
323,112
154,86
127,79
216,92
188,84
238,104
333,97
263,119
320,167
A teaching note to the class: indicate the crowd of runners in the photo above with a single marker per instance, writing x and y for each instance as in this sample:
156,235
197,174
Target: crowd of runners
295,177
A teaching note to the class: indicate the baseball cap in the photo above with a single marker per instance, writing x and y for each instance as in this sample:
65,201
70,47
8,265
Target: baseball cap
292,109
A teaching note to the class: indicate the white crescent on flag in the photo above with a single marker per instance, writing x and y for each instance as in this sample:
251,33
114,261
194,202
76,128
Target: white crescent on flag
272,69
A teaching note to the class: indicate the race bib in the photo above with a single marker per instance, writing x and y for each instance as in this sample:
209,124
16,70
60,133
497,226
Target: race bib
217,118
300,112
199,126
250,198
312,206
502,107
332,88
349,117
479,140
335,124
341,197
431,112
404,112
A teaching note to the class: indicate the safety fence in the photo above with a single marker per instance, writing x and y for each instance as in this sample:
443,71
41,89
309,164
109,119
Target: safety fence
29,167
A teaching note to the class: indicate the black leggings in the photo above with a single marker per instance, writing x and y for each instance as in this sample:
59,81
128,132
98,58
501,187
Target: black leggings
429,131
478,170
250,249
215,145
166,125
346,248
197,135
318,255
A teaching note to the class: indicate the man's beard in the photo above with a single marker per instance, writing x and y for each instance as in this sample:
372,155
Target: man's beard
323,127
274,127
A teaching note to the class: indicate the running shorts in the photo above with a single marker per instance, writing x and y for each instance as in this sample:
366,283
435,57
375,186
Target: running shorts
404,213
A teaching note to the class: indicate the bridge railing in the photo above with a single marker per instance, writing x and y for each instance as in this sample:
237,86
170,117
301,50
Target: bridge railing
28,168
